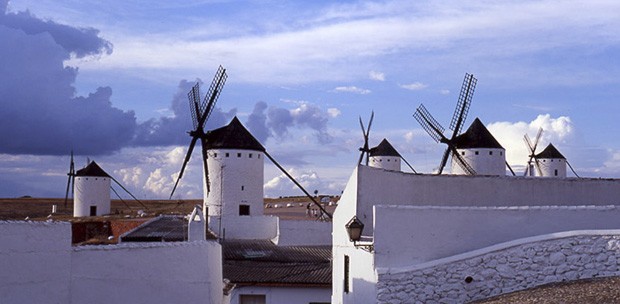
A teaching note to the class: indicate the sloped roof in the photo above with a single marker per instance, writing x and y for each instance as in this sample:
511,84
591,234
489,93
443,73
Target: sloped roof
384,149
92,170
476,136
233,136
550,152
260,262
168,228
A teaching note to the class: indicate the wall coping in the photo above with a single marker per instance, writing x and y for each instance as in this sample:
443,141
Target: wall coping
140,245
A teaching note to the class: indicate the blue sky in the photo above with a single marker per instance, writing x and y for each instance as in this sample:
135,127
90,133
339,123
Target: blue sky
108,80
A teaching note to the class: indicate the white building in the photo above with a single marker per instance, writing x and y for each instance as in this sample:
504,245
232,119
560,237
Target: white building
550,163
384,156
480,150
91,191
460,238
235,202
39,265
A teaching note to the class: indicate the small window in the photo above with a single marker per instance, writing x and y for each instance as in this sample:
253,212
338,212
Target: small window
258,155
87,178
490,152
238,154
477,152
227,154
244,209
501,153
463,153
556,172
250,155
388,160
214,155
252,299
93,210
346,274
242,188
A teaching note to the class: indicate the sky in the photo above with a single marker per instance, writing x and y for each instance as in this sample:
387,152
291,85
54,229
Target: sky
108,80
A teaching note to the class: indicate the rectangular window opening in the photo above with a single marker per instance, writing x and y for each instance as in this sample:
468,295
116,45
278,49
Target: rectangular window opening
238,154
346,274
244,209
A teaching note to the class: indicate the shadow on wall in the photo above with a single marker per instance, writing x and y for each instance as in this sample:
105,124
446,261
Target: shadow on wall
361,291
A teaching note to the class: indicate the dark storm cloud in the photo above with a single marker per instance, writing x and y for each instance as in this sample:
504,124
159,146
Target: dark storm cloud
170,130
40,112
257,122
278,121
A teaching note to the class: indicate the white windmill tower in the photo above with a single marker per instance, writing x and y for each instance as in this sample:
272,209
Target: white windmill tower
385,156
548,163
91,191
475,152
233,171
480,150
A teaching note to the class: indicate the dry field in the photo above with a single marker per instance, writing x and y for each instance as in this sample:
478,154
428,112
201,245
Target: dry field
41,208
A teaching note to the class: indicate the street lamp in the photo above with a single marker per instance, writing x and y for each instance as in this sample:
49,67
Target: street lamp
354,229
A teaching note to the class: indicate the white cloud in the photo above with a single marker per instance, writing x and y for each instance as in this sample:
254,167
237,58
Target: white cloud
333,112
444,92
510,135
282,185
416,86
352,89
378,76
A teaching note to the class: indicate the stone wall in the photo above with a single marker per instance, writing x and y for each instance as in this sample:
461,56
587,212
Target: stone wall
504,268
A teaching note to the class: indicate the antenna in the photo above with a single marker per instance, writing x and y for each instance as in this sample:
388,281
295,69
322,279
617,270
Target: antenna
200,112
435,130
365,149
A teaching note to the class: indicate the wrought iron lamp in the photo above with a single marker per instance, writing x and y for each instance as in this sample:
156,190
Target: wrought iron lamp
354,230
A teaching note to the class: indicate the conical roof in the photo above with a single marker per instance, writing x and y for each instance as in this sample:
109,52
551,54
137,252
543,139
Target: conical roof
92,170
550,152
476,136
233,136
384,149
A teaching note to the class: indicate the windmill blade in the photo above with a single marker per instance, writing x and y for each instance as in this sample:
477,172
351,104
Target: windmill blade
528,142
212,94
298,185
365,132
429,124
410,167
510,168
444,160
187,157
203,144
571,168
194,99
135,198
537,162
462,162
71,179
540,131
120,198
462,106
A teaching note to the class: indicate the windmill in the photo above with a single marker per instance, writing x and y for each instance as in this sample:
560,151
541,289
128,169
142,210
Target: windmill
435,130
200,112
71,179
365,132
532,156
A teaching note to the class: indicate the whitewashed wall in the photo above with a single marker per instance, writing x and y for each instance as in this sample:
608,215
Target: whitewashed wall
245,227
409,235
292,233
180,272
503,268
284,295
35,262
485,162
380,187
39,265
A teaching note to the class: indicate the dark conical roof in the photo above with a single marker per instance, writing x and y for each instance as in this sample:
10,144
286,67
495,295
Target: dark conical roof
233,136
550,152
384,149
92,170
476,136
